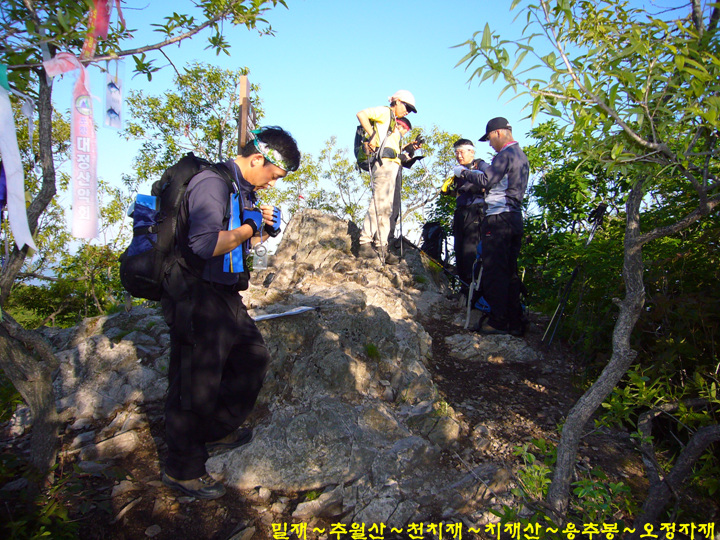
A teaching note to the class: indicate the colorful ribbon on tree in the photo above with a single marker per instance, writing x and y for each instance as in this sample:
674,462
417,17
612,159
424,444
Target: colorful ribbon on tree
15,178
98,25
84,147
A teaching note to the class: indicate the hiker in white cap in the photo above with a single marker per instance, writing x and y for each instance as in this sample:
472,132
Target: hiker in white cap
384,145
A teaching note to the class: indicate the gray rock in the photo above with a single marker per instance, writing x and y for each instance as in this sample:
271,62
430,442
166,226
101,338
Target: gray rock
20,421
351,404
112,448
327,505
153,530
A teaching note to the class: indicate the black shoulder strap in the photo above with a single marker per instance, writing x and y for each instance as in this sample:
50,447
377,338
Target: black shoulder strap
227,175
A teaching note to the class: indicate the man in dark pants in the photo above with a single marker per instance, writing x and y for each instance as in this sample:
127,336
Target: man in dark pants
469,210
218,356
505,181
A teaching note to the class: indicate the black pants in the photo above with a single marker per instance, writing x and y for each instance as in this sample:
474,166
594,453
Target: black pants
214,391
501,241
466,230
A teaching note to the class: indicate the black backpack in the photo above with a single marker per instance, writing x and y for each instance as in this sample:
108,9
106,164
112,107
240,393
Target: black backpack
433,238
153,249
361,158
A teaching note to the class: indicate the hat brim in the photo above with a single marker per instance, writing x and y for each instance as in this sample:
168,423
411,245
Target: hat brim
484,137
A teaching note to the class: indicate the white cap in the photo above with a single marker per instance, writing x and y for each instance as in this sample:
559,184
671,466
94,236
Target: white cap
406,97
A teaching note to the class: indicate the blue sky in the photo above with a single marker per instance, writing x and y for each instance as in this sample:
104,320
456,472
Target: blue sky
328,60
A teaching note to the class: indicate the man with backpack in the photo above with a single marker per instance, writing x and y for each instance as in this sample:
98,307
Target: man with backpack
504,181
218,356
384,145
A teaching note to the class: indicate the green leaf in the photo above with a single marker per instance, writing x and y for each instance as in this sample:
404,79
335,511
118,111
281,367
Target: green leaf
486,43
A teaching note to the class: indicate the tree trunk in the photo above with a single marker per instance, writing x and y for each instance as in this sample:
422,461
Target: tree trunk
620,361
47,190
27,359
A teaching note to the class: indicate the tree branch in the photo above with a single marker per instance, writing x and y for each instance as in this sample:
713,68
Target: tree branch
678,226
660,494
140,50
645,428
714,18
661,147
697,17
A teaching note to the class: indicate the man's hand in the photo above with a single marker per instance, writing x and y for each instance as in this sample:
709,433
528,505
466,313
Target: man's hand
254,218
368,148
272,216
458,170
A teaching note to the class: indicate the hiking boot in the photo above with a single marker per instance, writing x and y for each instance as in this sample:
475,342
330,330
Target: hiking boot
517,332
366,251
488,330
235,439
391,259
205,487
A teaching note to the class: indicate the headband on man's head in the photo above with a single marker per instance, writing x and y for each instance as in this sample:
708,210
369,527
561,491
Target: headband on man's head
466,147
272,155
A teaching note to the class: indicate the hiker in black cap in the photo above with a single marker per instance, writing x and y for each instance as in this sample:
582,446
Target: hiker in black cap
218,358
469,211
504,181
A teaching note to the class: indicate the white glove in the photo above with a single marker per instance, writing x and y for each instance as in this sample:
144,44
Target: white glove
458,170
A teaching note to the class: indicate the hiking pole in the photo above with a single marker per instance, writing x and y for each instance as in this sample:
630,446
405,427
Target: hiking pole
378,157
377,217
400,215
597,216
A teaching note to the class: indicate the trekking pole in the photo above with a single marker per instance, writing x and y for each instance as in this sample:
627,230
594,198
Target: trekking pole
377,217
400,216
597,216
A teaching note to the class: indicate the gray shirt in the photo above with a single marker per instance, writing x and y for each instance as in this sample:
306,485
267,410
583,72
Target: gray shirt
505,180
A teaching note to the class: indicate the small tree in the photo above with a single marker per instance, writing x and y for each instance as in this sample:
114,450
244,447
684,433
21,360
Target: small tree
199,115
638,94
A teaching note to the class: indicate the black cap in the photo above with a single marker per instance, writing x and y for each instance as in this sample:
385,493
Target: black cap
492,125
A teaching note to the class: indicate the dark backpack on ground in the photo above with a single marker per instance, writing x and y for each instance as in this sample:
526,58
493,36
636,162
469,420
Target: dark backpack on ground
433,238
153,249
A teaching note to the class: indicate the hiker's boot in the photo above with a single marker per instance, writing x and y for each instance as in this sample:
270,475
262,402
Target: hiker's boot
391,259
487,329
235,439
205,487
366,251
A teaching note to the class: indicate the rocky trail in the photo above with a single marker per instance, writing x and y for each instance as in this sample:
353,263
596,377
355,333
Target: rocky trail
379,408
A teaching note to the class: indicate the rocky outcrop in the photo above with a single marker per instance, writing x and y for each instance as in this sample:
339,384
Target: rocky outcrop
350,408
